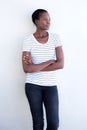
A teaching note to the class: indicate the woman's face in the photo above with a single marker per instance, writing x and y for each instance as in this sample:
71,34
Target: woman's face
44,21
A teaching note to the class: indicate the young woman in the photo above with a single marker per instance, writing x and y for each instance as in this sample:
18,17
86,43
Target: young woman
42,56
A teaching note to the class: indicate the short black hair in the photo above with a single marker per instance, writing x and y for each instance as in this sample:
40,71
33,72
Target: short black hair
37,13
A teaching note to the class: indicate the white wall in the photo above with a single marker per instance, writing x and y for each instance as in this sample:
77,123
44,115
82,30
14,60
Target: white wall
69,19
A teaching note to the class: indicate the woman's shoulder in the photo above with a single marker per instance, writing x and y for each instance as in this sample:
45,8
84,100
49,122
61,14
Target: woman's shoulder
28,36
53,34
55,38
28,40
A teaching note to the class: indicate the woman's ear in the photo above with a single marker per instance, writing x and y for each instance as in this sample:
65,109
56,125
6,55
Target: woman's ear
36,22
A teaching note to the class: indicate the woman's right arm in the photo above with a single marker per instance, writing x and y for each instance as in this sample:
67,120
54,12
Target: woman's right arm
29,67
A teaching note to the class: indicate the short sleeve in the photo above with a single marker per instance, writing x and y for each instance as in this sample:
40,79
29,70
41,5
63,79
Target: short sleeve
57,40
27,43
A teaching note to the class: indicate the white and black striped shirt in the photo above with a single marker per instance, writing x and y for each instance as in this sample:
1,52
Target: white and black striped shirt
41,53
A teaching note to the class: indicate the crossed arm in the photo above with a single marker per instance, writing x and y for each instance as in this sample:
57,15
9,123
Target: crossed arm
50,65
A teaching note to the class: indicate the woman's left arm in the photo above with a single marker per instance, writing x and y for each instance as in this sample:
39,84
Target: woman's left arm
59,62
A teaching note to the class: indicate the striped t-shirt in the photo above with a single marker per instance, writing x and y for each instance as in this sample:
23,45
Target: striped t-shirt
41,53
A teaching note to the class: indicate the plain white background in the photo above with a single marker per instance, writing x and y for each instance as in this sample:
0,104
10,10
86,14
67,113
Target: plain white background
69,20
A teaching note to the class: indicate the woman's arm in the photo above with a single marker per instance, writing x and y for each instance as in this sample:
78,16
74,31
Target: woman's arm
28,66
59,63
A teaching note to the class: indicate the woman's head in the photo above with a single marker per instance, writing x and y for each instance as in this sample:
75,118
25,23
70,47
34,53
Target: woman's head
41,18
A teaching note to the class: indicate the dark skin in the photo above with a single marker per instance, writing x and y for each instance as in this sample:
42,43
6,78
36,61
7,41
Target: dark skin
42,36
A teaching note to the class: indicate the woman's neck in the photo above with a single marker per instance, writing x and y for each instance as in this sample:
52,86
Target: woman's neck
40,34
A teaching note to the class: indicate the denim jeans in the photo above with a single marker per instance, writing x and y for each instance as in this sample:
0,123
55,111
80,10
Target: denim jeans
37,95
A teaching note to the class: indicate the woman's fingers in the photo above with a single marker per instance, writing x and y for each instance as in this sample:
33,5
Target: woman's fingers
27,59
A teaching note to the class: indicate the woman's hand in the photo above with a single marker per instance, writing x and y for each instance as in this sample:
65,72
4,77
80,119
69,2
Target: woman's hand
28,65
27,59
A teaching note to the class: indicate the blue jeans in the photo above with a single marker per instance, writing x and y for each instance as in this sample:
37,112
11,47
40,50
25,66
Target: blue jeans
37,95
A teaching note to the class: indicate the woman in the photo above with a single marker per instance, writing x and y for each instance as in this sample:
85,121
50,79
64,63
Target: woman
42,56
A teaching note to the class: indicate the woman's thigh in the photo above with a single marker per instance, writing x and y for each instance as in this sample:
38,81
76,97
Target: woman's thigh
34,96
51,103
